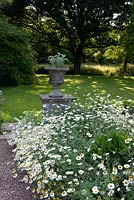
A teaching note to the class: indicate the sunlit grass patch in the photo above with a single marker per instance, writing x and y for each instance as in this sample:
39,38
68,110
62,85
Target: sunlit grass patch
21,98
103,70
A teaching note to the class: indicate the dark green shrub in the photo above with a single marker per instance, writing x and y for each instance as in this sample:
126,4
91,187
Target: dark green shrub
16,57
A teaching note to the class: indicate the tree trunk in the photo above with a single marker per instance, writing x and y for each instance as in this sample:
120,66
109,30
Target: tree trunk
77,59
125,65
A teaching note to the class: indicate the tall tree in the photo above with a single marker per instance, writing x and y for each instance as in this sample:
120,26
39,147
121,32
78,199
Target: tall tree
78,20
129,41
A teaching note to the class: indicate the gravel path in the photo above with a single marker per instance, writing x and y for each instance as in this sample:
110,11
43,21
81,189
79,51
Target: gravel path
10,188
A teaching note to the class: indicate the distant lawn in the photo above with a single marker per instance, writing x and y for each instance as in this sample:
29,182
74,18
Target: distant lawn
19,99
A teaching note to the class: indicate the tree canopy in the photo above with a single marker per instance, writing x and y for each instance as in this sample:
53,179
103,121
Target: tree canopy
78,20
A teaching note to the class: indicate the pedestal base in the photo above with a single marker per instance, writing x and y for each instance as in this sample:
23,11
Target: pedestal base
55,105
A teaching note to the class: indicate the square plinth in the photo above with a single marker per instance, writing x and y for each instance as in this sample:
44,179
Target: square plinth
55,105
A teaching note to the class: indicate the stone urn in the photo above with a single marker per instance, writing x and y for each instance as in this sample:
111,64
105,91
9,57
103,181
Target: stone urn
56,79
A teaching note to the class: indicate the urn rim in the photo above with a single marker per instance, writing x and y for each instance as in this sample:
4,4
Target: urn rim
56,68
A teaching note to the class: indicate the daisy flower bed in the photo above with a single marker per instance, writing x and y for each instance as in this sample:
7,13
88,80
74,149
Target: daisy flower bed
85,154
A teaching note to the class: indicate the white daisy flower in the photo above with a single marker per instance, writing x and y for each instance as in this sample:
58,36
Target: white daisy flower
111,186
83,192
81,172
126,166
95,190
120,167
78,158
126,182
110,193
52,194
69,172
64,194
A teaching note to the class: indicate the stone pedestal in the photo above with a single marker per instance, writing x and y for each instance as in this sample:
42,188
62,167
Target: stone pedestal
55,105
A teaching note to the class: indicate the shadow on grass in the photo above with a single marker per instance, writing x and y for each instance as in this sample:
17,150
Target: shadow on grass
105,85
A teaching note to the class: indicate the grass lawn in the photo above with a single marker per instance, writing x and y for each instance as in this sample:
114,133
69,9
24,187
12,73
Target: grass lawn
19,99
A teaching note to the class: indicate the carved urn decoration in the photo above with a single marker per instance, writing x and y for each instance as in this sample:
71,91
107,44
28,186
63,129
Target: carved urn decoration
56,79
56,73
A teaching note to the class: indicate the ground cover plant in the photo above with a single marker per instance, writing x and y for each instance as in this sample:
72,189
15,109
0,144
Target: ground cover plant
85,154
21,98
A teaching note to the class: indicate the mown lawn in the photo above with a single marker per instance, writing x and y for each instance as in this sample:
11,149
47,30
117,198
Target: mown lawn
19,99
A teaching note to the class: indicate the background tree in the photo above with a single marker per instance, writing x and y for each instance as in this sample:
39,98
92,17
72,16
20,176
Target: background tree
108,49
44,36
77,20
114,51
16,58
128,41
46,40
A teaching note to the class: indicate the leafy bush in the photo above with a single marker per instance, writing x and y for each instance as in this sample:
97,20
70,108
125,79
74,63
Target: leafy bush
86,154
16,58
